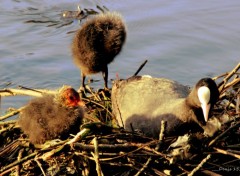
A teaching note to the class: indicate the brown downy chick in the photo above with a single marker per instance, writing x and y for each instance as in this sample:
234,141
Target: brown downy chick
52,116
97,42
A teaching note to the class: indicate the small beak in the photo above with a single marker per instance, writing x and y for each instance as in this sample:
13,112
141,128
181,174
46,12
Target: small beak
205,108
81,103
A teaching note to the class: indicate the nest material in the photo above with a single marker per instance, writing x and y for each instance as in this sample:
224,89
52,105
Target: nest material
101,148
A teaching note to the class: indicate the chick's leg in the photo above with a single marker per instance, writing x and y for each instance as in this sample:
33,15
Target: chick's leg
105,77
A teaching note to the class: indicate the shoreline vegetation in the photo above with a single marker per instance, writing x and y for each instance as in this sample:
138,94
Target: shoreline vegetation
101,148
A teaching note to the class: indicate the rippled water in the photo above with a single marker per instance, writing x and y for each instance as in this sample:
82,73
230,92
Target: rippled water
182,40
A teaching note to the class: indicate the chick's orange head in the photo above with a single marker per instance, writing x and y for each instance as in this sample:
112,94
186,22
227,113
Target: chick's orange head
69,97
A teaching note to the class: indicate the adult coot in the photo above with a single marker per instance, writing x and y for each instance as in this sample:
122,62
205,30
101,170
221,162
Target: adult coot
143,102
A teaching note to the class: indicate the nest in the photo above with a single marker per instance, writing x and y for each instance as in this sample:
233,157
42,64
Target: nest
101,148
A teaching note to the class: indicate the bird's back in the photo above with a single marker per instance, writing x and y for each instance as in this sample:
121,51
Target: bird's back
146,101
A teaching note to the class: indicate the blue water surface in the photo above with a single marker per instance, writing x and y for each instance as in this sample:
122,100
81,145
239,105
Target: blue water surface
182,40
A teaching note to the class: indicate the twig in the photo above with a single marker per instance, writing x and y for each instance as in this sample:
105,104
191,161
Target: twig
140,68
27,88
238,102
221,85
142,146
94,102
199,165
8,122
96,157
49,154
220,76
80,135
234,151
131,126
150,159
12,113
77,137
144,166
226,152
229,162
232,73
105,147
161,135
7,171
229,85
19,158
89,117
156,152
14,92
9,148
232,99
85,169
18,162
40,166
223,133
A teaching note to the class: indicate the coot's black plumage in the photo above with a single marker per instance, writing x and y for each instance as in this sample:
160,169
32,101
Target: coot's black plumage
97,43
145,101
52,116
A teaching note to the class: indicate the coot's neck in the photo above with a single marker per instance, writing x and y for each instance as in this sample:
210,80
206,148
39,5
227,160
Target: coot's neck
192,103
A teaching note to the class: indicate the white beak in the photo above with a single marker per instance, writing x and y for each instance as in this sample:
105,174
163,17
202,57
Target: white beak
204,98
205,109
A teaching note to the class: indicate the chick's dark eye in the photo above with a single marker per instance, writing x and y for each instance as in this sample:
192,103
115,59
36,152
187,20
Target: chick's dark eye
71,98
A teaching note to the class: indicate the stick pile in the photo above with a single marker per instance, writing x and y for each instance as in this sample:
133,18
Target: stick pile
101,148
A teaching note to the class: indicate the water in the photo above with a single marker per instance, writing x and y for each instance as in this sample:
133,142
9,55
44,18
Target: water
182,40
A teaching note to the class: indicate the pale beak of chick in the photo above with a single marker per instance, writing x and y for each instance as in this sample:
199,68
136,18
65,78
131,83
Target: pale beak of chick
81,103
204,98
